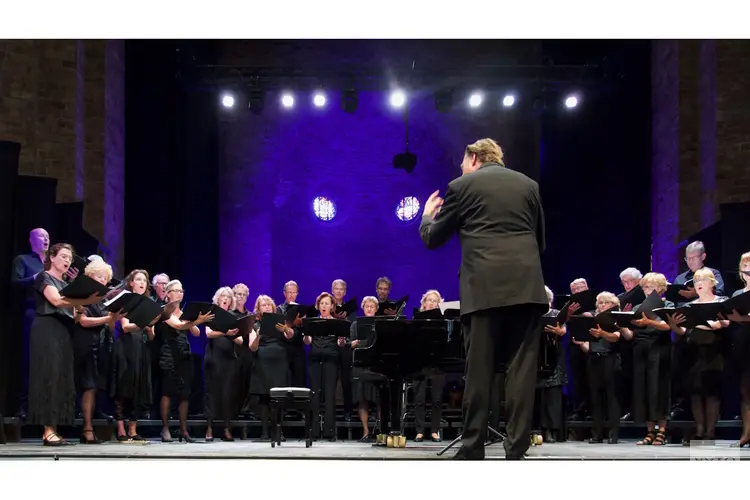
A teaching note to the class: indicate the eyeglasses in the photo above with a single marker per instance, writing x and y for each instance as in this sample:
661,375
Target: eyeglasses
175,291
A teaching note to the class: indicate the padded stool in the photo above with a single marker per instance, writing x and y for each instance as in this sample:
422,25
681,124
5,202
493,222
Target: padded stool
290,398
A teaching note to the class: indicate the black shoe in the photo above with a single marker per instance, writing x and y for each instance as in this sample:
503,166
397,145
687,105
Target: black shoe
187,438
627,416
85,440
515,457
612,441
596,441
549,437
464,453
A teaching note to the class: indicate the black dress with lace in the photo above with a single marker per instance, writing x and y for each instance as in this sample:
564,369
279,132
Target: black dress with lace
175,361
52,391
132,384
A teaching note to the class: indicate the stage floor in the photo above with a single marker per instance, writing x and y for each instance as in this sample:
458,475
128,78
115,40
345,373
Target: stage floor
342,450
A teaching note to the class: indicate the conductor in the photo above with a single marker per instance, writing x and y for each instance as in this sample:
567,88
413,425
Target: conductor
498,216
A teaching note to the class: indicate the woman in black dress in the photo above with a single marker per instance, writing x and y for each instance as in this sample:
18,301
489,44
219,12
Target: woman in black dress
652,349
132,366
740,333
176,362
52,388
324,363
430,300
550,388
218,366
364,387
707,361
94,327
270,366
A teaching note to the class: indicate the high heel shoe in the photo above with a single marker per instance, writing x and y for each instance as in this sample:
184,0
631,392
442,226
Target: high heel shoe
227,439
186,437
94,440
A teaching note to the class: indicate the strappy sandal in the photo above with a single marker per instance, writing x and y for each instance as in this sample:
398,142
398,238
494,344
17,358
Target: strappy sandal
648,440
660,439
59,442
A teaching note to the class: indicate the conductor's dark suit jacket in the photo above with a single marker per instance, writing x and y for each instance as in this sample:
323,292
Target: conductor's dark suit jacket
498,216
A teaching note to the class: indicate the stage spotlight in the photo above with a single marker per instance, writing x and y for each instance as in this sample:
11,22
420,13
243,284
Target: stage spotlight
398,98
475,100
319,100
287,100
227,100
509,101
571,102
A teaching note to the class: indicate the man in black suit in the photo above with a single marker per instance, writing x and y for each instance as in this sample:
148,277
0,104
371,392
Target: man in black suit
498,216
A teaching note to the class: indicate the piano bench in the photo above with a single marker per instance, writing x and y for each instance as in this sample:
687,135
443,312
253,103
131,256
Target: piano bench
290,398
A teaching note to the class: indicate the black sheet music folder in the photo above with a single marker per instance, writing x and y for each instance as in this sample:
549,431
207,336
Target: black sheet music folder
320,327
83,287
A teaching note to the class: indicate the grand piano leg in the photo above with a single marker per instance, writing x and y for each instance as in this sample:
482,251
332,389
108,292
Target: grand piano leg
394,395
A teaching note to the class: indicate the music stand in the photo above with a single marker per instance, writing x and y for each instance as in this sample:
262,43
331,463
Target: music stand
491,432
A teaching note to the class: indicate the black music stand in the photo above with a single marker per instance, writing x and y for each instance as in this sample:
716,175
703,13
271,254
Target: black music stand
499,438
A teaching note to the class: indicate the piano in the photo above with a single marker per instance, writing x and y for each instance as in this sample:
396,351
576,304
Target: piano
401,349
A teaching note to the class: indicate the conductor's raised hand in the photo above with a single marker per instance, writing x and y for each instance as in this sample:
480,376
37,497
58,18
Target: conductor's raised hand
433,204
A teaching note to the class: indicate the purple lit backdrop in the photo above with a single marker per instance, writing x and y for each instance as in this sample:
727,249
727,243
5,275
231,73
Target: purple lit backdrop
274,165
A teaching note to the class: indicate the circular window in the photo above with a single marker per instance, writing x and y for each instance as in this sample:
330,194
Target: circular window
407,209
324,208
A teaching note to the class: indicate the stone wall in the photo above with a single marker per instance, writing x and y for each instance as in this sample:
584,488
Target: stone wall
63,101
700,137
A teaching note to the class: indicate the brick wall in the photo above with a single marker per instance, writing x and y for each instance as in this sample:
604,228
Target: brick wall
52,101
700,137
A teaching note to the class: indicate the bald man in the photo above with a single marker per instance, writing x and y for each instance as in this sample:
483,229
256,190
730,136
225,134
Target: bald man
25,269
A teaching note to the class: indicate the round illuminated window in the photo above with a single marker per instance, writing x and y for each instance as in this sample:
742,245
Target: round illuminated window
408,208
324,208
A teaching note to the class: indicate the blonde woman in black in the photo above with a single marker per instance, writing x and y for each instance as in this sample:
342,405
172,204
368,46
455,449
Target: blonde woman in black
651,365
52,390
706,359
270,367
93,324
218,367
176,362
132,355
430,300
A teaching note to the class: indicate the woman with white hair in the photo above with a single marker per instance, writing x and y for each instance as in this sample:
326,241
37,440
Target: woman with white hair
176,362
218,367
365,390
601,366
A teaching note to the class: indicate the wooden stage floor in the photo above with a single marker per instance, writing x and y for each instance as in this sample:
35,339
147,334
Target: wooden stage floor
346,450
